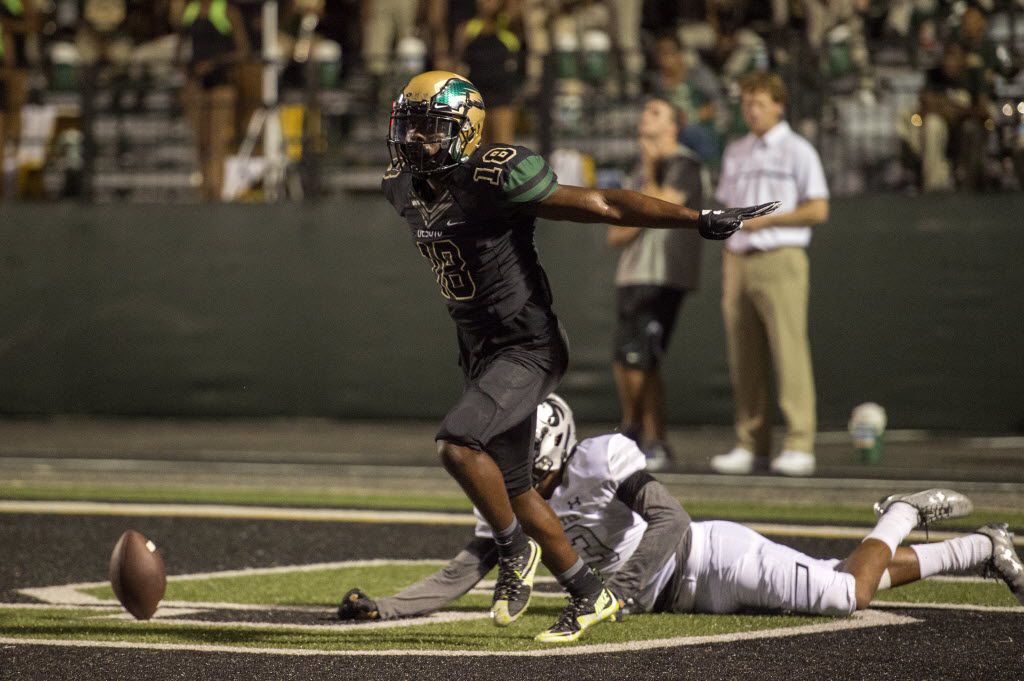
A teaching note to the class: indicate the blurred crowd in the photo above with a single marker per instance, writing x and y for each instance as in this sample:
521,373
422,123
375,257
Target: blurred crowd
520,52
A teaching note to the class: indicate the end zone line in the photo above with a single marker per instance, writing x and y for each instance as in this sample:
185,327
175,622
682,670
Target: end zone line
238,512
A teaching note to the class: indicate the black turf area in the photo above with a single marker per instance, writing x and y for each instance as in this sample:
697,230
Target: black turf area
41,550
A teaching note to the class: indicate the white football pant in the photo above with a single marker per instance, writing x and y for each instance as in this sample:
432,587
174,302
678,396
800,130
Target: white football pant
737,569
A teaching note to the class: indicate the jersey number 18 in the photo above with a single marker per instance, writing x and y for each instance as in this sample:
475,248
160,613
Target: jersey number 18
450,269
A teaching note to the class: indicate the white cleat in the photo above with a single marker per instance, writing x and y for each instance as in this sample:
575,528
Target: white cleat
931,504
794,463
739,461
1005,563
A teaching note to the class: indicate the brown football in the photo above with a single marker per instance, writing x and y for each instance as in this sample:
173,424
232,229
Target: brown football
137,574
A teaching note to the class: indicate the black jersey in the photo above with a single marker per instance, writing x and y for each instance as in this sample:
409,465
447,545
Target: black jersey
477,233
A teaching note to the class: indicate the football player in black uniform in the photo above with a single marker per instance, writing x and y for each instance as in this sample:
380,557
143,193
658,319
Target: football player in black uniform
472,209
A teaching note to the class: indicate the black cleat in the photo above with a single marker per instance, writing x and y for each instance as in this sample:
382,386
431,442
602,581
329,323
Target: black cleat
580,614
515,584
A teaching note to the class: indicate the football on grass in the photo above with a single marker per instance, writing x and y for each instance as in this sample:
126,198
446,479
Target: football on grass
137,574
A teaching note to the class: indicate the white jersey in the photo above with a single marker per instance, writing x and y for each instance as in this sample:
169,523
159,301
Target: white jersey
602,529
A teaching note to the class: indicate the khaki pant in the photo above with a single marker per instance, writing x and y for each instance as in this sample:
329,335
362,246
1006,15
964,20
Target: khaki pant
212,114
387,22
764,304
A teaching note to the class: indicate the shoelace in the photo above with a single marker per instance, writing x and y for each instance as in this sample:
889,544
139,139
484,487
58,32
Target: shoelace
509,584
578,605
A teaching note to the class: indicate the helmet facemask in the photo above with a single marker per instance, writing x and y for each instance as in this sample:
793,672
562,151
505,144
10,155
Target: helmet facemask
435,135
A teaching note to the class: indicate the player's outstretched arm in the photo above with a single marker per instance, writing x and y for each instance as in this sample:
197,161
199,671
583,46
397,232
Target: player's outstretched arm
625,207
434,591
667,524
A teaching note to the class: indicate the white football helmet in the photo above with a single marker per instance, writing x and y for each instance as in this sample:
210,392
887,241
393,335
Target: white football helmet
555,437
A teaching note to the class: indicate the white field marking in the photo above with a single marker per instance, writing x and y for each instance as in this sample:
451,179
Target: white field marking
71,594
236,512
965,579
948,606
859,620
368,516
331,622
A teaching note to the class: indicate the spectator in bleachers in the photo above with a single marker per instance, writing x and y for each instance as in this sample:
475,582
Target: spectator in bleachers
385,23
444,17
985,59
17,26
737,50
696,97
219,41
627,16
657,268
947,133
6,64
488,46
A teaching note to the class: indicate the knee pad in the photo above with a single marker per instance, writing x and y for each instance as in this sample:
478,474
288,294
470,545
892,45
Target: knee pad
468,422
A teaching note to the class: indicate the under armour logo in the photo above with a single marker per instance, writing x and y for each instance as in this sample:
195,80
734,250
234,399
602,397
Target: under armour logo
575,503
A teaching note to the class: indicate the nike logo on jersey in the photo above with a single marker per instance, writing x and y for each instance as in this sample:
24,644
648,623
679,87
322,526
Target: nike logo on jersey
452,223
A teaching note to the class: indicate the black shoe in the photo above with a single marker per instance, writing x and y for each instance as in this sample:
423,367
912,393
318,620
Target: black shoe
515,584
580,614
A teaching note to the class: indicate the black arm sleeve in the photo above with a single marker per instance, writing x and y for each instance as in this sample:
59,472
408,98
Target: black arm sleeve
437,590
667,526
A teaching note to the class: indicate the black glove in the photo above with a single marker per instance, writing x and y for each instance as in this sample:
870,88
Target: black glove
720,224
356,605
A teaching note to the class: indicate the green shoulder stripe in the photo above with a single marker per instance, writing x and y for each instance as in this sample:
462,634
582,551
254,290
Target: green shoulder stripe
524,171
530,180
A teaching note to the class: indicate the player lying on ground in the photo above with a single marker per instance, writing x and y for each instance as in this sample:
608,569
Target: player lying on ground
471,209
625,523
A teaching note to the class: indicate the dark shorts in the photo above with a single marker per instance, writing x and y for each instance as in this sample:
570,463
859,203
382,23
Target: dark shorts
498,406
646,318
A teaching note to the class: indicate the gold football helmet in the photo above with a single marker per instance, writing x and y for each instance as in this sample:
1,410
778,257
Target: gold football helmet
436,123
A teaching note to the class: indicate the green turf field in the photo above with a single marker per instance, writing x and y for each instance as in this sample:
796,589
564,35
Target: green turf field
323,587
480,634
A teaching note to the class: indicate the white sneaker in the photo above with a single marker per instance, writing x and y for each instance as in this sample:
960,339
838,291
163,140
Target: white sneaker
739,461
792,462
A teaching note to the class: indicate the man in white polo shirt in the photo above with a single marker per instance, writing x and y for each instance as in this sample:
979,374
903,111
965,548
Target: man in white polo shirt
765,282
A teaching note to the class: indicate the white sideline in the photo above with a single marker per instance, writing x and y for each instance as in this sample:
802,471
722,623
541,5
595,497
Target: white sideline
859,620
903,605
403,517
236,512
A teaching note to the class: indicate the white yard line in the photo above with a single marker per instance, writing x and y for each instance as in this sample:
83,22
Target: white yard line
369,516
71,594
949,606
860,620
236,512
331,623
